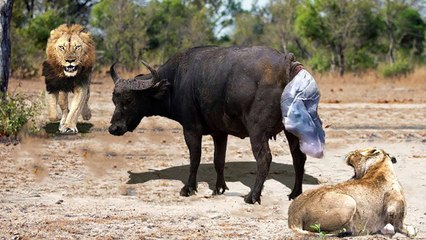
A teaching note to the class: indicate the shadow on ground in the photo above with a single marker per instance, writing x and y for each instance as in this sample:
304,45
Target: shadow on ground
244,172
52,128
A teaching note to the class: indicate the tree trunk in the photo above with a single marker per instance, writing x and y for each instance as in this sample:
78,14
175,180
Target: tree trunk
391,43
342,63
5,17
305,53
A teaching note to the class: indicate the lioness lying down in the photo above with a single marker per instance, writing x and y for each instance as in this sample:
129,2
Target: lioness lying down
371,202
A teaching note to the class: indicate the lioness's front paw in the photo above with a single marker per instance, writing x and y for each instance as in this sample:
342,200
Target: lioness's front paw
388,229
411,231
68,130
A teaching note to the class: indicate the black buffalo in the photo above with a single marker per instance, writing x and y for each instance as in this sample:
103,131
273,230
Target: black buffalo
216,91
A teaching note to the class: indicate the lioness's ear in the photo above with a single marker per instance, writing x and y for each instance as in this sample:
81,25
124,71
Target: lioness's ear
52,32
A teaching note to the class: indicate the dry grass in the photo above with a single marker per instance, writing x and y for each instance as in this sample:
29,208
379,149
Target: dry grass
371,87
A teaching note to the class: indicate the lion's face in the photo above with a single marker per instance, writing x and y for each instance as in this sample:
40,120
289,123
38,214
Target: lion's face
362,160
69,51
70,47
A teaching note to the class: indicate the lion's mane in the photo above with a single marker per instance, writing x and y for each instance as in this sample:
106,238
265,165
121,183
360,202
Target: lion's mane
53,69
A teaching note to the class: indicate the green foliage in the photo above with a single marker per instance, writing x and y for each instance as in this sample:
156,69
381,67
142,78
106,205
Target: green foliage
249,29
129,32
308,23
346,34
317,228
338,26
398,69
122,31
26,60
38,29
360,60
410,30
15,112
320,62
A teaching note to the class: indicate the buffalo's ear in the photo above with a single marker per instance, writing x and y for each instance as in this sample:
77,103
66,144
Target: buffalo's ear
160,88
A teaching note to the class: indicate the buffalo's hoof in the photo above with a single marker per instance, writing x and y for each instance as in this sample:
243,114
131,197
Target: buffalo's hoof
252,198
188,191
220,189
294,194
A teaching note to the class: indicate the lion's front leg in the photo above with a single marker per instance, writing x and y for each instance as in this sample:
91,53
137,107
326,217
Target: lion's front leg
52,101
77,103
63,104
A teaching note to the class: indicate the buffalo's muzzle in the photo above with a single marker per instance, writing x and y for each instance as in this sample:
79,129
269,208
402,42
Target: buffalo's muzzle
117,130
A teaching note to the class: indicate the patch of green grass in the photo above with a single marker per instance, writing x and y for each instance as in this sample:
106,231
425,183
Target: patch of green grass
398,69
317,228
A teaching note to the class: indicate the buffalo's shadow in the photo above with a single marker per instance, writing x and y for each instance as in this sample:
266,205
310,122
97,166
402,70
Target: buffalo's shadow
53,127
244,172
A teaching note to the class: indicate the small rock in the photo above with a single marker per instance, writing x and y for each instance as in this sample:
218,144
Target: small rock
60,201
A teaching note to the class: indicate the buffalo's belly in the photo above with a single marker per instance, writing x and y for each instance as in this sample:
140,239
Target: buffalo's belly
233,126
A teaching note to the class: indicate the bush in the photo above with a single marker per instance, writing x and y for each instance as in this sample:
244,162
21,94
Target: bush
398,69
360,60
15,112
29,42
320,62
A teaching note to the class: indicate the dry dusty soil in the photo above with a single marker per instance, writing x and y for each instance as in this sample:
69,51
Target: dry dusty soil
96,186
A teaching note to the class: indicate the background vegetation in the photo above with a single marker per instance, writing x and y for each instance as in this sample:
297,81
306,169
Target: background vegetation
326,35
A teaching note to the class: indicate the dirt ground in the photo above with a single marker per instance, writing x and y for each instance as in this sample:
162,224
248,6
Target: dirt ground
94,185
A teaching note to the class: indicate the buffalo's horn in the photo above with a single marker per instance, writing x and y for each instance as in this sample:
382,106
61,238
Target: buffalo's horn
136,84
152,70
114,75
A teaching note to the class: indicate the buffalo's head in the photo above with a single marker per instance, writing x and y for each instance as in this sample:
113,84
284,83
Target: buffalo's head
134,99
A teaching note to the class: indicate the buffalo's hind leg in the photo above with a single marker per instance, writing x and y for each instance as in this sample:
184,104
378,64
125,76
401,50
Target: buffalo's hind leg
193,141
220,142
299,159
262,154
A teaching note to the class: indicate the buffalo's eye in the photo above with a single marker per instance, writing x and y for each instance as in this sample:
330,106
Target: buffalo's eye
126,102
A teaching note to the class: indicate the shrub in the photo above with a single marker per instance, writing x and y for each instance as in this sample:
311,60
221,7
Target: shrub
360,60
15,112
398,69
320,62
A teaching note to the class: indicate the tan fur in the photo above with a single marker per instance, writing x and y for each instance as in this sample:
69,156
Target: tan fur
70,42
362,205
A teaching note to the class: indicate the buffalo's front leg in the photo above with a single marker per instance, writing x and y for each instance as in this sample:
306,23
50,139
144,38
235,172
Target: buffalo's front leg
262,153
220,142
193,141
299,159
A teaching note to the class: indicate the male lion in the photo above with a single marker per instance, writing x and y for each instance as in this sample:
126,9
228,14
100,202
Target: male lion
70,57
371,202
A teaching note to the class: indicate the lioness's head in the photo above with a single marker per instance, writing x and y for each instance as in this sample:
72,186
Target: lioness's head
361,160
69,48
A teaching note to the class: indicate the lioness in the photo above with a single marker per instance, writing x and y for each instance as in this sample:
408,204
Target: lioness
371,202
70,57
